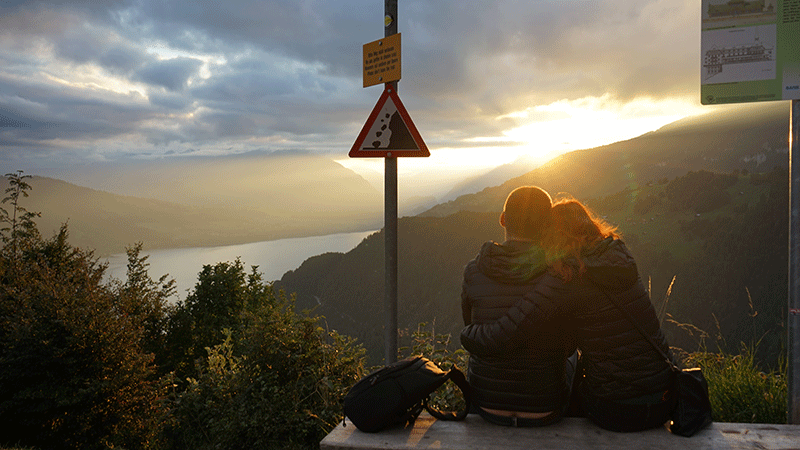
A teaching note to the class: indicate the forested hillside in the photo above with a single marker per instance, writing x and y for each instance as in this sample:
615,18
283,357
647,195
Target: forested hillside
750,137
721,235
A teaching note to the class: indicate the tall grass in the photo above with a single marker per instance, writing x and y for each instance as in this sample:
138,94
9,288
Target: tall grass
739,390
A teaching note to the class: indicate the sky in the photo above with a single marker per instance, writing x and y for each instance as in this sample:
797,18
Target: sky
484,82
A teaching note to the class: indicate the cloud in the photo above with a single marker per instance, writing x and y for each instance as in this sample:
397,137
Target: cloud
172,74
307,30
155,77
169,100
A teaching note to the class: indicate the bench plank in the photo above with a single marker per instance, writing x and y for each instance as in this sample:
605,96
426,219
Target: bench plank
569,433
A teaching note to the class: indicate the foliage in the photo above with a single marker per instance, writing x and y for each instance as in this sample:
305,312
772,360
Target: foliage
700,191
613,202
279,386
219,297
740,391
76,355
73,369
644,204
145,301
197,413
72,372
439,349
21,228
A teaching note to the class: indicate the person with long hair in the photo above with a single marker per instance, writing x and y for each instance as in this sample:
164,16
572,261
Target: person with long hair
623,383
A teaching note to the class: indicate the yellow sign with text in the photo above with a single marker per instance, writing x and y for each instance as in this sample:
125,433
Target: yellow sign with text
382,60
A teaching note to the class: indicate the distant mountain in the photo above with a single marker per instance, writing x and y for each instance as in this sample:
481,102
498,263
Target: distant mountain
498,175
278,182
690,200
749,137
206,201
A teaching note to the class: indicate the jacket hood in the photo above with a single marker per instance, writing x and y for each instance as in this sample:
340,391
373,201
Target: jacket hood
611,265
512,261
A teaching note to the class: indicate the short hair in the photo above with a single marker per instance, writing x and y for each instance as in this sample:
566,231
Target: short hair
527,212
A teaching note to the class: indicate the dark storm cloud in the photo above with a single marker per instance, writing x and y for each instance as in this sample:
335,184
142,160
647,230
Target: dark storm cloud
169,100
121,59
172,74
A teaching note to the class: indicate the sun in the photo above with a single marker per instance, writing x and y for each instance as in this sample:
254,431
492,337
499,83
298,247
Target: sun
541,134
566,125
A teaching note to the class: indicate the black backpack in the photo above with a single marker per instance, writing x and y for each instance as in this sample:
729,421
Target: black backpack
397,394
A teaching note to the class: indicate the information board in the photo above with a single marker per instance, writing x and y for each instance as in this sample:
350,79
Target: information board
382,60
750,51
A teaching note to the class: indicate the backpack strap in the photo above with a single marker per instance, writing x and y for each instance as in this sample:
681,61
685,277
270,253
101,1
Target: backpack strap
457,376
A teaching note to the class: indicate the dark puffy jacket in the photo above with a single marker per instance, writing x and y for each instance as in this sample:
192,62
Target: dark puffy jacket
619,363
531,377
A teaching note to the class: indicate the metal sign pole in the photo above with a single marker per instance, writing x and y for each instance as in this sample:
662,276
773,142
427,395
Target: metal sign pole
793,313
390,217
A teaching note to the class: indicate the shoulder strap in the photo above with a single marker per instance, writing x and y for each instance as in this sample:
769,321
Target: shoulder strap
639,328
457,376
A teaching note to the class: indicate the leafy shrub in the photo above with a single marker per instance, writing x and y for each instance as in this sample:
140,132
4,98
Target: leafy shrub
221,293
72,373
72,370
279,386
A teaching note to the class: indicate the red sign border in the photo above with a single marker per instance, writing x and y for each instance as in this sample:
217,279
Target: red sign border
357,152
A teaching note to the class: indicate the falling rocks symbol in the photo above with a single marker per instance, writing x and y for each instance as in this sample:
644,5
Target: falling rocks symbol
389,131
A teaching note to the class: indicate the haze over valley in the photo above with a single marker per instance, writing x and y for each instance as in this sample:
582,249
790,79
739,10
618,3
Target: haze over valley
196,202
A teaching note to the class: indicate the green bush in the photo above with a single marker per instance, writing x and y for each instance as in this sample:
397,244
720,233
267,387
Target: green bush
73,371
222,292
280,386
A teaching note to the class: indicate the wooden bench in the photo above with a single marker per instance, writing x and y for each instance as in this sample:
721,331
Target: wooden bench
571,433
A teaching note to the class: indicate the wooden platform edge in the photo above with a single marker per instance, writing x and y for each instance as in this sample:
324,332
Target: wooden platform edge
475,433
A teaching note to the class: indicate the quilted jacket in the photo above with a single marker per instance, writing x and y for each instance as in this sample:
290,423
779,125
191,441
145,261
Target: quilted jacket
531,376
619,364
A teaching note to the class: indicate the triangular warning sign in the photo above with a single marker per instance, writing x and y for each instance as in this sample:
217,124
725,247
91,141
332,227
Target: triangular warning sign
389,131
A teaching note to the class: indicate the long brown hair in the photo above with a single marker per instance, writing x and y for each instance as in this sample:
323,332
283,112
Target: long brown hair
574,229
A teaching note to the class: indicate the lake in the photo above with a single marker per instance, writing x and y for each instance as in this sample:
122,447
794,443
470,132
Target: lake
273,258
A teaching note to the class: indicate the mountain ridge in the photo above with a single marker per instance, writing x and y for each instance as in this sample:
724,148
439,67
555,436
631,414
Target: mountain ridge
247,198
744,137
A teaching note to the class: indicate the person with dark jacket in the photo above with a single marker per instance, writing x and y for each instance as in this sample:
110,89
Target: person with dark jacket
528,385
623,380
